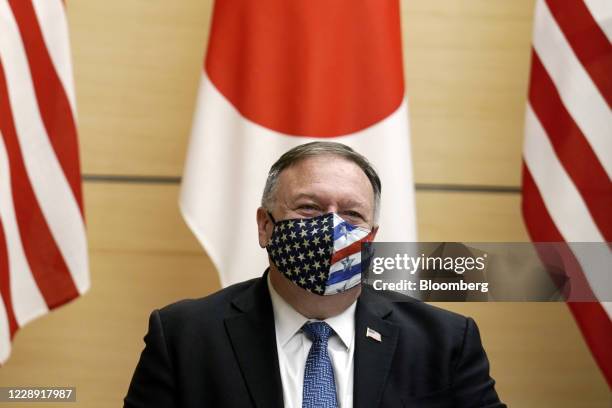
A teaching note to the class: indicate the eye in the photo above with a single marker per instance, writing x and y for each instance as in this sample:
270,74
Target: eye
353,215
308,209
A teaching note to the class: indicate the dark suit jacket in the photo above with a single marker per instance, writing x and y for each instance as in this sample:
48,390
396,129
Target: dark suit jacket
220,351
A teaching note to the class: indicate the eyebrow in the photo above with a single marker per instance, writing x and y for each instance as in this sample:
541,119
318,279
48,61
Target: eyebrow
345,203
354,203
306,195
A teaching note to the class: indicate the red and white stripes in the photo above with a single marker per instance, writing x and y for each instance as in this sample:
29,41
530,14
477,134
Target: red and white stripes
567,177
43,248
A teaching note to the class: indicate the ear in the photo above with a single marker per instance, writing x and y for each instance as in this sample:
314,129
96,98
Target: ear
264,227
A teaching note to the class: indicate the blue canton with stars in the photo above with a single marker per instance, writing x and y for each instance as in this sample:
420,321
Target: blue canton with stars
302,249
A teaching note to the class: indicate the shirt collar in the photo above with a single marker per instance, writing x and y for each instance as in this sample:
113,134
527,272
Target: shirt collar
288,321
344,324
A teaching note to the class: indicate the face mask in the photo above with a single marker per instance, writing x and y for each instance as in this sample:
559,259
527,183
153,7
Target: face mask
321,254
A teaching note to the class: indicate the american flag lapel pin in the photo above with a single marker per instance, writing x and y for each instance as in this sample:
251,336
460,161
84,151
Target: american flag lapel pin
373,334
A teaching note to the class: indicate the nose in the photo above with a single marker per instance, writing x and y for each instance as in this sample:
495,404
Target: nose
332,208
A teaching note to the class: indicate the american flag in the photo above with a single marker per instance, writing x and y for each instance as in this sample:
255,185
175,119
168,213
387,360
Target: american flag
322,254
567,172
43,249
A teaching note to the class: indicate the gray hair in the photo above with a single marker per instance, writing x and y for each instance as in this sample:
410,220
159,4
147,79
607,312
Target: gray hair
311,149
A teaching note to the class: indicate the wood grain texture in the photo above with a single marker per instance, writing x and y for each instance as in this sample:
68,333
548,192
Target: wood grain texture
467,66
137,218
137,66
469,217
537,355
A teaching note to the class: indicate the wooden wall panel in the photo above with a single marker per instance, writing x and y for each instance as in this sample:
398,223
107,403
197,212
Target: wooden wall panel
137,66
469,217
137,217
537,355
466,65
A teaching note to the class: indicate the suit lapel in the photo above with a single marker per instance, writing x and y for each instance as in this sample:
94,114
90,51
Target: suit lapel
250,327
372,358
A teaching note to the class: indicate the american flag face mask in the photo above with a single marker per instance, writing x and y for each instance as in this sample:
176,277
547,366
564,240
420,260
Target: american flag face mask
321,254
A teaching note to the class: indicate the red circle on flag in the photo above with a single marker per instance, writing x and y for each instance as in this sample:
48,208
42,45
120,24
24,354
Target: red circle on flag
308,67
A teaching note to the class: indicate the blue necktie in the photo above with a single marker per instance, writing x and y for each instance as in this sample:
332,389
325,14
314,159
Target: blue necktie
319,383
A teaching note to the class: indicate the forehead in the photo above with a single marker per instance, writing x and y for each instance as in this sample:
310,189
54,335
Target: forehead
327,177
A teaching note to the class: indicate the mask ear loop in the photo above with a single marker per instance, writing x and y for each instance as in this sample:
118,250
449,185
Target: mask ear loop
271,218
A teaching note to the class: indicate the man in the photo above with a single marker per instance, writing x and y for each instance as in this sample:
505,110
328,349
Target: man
307,334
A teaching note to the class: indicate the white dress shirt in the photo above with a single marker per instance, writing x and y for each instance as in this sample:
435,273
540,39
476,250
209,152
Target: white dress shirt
293,347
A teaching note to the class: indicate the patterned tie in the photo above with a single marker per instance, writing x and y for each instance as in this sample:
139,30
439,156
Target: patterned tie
319,383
